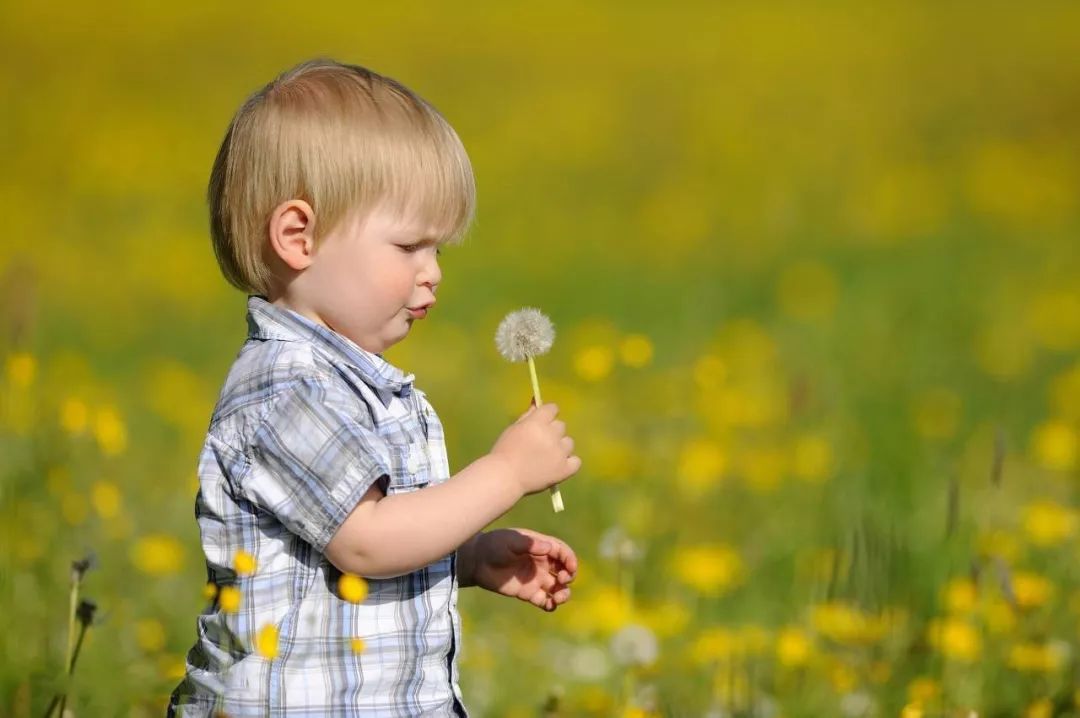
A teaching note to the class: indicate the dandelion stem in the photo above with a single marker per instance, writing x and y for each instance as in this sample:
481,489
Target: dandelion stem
556,497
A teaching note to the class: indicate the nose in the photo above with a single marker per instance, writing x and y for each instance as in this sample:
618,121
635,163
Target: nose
431,274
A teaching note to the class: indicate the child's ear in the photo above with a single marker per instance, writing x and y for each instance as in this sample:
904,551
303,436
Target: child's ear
292,233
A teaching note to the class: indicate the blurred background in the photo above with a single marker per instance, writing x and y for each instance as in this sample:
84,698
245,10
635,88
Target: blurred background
815,272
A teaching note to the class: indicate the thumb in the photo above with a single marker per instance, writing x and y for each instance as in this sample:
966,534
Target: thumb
529,411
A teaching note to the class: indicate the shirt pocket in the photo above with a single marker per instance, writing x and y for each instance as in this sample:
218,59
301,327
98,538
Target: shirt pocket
410,467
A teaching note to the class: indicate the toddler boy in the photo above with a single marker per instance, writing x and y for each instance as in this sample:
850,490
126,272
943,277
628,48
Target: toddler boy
335,538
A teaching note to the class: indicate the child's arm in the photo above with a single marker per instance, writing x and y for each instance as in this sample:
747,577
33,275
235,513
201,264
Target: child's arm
519,563
388,536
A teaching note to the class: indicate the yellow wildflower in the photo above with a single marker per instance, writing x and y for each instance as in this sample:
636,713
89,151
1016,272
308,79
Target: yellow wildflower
1055,445
357,645
266,642
1042,708
956,639
922,690
960,595
843,677
793,647
709,372
701,465
105,496
843,623
594,363
352,588
21,368
209,591
713,645
244,563
1031,590
636,350
158,555
150,635
1031,657
74,416
1048,523
229,599
711,569
110,432
911,710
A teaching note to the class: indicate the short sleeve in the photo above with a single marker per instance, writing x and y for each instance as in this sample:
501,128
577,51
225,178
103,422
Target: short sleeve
313,457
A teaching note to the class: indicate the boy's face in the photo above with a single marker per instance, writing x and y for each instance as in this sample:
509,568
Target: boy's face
370,279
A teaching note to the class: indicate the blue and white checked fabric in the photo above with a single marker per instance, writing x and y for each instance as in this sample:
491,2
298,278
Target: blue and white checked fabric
306,423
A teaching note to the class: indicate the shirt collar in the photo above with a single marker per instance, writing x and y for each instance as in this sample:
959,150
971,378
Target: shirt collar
269,321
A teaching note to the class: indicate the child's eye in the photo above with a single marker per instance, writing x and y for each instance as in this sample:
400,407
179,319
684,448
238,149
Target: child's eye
410,248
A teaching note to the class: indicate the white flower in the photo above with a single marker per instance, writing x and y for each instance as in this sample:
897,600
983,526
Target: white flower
524,333
589,663
634,645
615,545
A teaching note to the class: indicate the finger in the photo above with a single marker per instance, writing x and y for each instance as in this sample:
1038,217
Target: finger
549,411
560,597
559,427
539,599
528,412
520,544
567,445
573,465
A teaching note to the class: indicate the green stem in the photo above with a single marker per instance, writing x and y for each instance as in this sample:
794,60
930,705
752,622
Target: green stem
556,497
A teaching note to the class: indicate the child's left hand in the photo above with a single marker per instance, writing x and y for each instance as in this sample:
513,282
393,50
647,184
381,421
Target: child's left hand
525,564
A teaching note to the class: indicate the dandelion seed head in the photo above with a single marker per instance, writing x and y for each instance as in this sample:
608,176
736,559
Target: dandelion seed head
524,333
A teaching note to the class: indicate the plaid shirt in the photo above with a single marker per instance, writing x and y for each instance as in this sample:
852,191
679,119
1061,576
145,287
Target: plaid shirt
306,423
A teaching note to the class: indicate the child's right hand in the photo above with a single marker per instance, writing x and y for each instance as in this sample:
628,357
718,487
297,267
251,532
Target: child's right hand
537,449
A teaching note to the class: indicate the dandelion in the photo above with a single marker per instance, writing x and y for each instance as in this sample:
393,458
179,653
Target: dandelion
229,599
21,369
594,363
357,645
1055,445
522,335
74,416
244,563
710,569
960,595
1031,590
157,555
636,351
635,645
955,639
110,432
793,647
1047,523
105,498
150,635
352,588
701,465
922,690
266,642
210,591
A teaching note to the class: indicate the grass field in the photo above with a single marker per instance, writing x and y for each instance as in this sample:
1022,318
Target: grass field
815,273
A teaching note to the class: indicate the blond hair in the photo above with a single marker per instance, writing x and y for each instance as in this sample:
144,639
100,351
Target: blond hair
343,139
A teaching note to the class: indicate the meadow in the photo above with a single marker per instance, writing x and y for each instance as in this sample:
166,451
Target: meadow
815,275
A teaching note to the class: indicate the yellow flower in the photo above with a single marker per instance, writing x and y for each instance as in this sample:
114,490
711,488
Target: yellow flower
105,496
1031,590
229,599
843,677
74,416
150,635
712,570
244,563
157,555
701,465
1054,317
636,350
793,647
922,690
936,413
762,467
999,616
172,667
669,618
266,642
110,432
1042,708
1048,523
911,711
1055,446
21,368
594,363
843,623
209,591
713,645
960,595
352,588
709,372
1033,657
956,639
812,458
357,645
